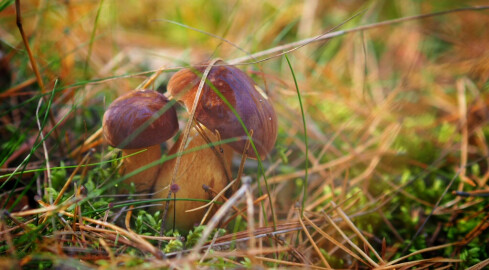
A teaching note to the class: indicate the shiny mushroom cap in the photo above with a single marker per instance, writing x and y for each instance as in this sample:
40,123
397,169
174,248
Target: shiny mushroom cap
250,102
139,119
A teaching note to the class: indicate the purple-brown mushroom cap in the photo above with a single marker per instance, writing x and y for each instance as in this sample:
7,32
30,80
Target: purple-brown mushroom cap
139,119
249,101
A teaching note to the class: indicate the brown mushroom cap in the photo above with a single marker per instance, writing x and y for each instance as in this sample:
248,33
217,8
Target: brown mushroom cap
249,101
140,112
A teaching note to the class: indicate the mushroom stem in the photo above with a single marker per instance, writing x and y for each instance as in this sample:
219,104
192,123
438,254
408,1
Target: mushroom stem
192,174
143,181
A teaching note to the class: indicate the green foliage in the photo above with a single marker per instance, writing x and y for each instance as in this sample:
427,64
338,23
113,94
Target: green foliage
174,245
148,223
194,235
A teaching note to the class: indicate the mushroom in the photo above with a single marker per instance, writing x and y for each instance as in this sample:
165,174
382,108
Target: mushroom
138,120
207,166
248,99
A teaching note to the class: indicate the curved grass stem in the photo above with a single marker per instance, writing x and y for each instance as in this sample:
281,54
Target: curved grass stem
304,196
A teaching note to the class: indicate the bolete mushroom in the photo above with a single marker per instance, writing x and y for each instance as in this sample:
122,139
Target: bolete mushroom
138,120
248,100
207,166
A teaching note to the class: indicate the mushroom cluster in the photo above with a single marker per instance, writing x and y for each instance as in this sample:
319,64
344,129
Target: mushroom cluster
231,106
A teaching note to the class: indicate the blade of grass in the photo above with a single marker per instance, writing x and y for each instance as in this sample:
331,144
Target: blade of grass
334,241
311,240
304,195
92,38
27,159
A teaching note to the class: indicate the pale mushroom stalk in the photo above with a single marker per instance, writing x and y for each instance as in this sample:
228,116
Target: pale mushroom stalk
202,166
137,161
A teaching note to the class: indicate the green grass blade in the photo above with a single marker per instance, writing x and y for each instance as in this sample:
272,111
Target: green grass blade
304,196
92,38
5,3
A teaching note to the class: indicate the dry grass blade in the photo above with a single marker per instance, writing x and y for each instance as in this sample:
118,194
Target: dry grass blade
386,140
418,263
346,159
106,232
394,262
107,248
151,79
241,211
9,92
480,265
202,133
293,264
218,195
86,144
219,215
462,102
357,232
313,243
27,47
334,241
252,252
482,226
68,182
359,250
143,244
46,209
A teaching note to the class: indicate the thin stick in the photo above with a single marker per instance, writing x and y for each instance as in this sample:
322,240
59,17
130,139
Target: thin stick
27,47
